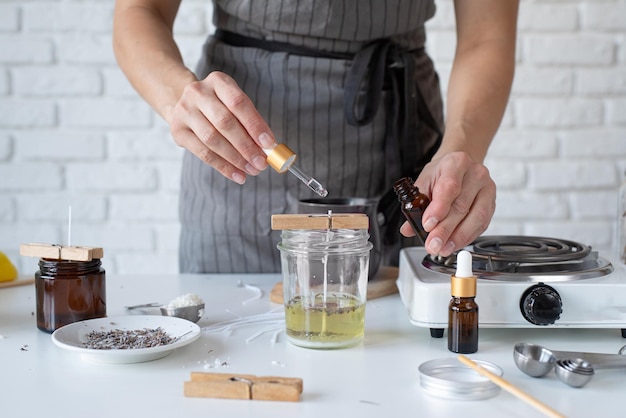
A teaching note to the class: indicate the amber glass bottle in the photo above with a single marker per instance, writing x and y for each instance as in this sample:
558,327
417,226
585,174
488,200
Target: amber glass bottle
69,291
463,325
463,309
412,204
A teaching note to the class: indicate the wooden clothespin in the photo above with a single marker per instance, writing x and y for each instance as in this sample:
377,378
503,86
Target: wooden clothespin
59,252
320,221
243,386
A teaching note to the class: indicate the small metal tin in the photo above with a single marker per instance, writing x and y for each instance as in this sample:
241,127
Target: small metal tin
450,379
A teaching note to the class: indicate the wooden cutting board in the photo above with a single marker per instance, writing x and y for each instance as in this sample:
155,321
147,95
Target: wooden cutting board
383,284
20,281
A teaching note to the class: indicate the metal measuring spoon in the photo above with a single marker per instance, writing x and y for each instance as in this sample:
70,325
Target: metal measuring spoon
574,372
578,372
537,361
532,359
190,313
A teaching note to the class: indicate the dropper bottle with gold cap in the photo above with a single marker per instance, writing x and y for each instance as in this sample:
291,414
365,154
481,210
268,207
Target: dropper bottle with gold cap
281,158
463,309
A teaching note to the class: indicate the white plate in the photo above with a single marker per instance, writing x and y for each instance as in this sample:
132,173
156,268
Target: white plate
72,336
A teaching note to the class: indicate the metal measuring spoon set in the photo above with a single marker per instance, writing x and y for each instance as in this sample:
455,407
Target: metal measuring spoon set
572,368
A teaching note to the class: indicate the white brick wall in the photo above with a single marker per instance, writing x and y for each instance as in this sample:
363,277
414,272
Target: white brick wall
569,123
73,132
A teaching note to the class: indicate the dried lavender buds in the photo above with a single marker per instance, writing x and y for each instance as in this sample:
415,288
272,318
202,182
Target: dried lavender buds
127,339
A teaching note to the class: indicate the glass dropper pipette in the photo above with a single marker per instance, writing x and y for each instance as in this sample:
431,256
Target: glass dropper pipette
313,184
282,159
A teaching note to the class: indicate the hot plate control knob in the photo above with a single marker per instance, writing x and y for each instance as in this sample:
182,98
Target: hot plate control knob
541,304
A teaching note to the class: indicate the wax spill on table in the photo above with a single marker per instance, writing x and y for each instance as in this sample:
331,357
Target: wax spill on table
258,293
268,322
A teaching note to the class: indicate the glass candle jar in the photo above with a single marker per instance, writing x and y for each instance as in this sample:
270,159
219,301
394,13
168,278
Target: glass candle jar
325,274
69,291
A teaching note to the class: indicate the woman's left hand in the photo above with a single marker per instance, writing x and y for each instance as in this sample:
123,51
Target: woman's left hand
462,193
463,200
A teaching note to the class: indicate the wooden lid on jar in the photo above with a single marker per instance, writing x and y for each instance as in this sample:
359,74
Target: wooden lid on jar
320,221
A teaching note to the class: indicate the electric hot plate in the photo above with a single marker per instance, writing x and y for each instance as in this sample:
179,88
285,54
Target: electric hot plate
523,282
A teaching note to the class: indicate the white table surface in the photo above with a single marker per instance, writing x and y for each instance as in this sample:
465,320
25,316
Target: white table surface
378,378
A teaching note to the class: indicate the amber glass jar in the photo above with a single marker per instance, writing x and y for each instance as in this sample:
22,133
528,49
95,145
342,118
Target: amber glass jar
69,291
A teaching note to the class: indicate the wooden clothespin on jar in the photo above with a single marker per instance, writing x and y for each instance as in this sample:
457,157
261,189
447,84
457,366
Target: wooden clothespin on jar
60,252
320,221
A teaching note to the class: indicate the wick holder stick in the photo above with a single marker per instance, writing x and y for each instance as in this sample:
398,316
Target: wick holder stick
514,390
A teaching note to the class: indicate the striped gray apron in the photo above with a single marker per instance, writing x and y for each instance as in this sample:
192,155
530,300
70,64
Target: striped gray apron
225,227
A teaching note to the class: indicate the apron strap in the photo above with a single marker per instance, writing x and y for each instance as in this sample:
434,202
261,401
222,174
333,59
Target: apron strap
379,65
235,39
376,66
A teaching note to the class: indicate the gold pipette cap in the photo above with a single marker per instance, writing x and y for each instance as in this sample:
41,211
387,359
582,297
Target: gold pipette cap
463,287
280,158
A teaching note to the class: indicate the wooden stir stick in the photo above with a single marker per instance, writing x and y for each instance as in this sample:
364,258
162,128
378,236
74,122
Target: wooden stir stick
510,388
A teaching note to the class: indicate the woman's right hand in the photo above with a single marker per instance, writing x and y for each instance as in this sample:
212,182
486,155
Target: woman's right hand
217,122
212,118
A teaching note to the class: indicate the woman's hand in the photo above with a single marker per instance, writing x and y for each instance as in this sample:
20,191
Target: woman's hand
463,200
216,121
213,118
462,193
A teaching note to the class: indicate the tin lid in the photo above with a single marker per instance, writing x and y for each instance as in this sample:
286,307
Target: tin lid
450,379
